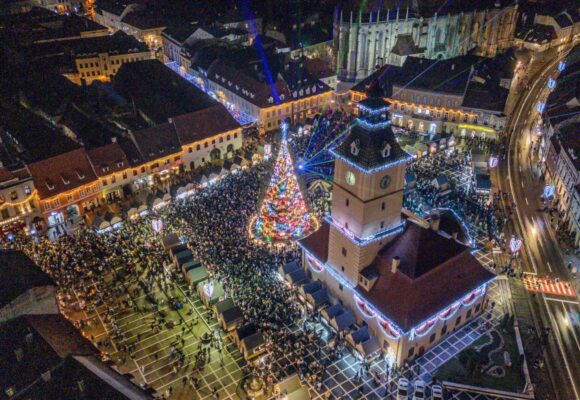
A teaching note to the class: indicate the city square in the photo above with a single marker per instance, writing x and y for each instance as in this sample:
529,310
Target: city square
248,200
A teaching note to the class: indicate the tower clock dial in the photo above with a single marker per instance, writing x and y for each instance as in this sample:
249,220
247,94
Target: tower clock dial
385,181
350,178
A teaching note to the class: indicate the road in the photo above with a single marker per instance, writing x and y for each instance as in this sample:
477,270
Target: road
541,253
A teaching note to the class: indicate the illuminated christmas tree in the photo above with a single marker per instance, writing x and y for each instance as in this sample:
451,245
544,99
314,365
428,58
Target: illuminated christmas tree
283,215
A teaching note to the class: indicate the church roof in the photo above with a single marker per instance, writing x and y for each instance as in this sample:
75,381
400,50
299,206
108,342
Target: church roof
370,144
434,272
405,46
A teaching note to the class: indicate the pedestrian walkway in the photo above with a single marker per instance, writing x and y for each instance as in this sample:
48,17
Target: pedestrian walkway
464,337
548,286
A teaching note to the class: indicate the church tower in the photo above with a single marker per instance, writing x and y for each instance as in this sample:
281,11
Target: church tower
367,195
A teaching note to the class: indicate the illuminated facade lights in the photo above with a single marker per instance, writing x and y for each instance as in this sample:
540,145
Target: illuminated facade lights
371,170
373,126
372,111
361,242
388,327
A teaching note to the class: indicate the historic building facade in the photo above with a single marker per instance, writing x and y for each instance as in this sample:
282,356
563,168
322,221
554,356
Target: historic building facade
367,40
395,274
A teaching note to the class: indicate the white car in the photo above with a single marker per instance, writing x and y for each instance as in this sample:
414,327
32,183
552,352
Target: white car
420,390
436,392
403,389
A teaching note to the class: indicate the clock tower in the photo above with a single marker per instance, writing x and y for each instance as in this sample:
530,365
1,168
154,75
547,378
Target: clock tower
367,195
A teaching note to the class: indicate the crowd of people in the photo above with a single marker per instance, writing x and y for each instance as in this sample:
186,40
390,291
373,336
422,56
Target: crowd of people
112,269
455,194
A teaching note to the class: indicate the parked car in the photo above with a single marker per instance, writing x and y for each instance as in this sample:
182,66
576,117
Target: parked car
420,392
403,389
436,392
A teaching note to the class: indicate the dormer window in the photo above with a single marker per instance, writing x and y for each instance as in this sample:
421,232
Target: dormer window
49,185
355,147
80,174
386,151
106,169
120,164
64,180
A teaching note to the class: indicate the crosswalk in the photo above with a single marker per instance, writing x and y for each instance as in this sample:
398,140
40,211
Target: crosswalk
544,285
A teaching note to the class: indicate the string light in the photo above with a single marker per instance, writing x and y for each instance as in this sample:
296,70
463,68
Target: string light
372,111
373,126
283,215
361,242
371,170
18,203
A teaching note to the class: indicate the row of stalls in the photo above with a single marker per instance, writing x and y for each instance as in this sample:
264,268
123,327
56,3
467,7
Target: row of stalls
246,336
214,174
315,296
183,260
481,165
107,222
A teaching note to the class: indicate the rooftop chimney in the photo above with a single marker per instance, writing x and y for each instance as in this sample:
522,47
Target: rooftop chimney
396,263
434,222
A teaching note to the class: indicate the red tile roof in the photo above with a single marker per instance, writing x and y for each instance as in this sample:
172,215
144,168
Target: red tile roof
62,173
157,141
317,243
202,124
5,175
108,159
434,272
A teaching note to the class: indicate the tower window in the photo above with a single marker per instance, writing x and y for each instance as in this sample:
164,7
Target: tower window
347,202
344,251
458,320
340,287
411,351
383,205
342,268
468,314
382,224
432,338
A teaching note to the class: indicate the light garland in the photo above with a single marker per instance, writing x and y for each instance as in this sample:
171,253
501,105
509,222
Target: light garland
361,242
283,215
371,170
389,329
18,203
314,265
362,307
373,126
372,110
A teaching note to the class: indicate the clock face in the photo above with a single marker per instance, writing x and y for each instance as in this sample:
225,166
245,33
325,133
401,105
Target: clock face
385,181
350,179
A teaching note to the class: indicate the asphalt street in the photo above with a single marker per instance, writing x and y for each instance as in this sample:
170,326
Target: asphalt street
541,253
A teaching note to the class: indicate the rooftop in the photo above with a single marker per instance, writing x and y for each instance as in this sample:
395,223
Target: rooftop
108,159
22,130
371,142
564,101
434,272
203,124
423,8
157,92
42,25
62,173
156,142
55,361
18,274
